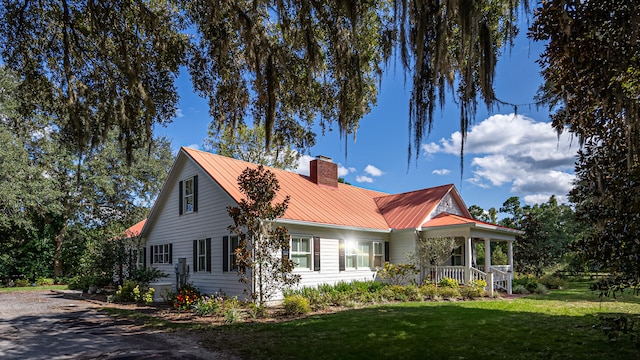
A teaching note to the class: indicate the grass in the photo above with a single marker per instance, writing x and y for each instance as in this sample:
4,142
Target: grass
33,288
559,325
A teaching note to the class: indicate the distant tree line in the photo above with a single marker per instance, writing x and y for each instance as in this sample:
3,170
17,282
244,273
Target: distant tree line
59,205
551,231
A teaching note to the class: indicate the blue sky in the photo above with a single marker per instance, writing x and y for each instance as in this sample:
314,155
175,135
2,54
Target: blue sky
505,154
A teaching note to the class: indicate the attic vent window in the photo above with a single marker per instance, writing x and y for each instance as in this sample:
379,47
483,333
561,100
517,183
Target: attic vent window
188,195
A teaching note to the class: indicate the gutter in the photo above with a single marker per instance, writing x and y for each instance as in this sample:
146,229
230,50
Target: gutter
332,226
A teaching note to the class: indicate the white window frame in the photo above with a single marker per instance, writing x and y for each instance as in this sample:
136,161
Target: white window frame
188,197
456,253
161,254
232,252
202,255
296,252
362,254
378,254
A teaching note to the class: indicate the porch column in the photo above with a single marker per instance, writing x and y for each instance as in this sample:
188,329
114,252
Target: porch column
510,263
487,255
467,260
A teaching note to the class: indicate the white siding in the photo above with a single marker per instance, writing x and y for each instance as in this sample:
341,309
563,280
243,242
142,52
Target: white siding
402,243
329,255
447,204
210,221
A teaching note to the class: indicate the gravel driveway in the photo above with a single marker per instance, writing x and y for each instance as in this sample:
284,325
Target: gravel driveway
49,325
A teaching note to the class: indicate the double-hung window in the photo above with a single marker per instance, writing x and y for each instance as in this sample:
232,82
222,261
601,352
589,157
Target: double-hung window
364,255
301,252
351,255
229,246
377,254
161,254
202,255
360,254
456,256
188,195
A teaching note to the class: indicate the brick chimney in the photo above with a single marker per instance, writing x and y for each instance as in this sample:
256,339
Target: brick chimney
323,171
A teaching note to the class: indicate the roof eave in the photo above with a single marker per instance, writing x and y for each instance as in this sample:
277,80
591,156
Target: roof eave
332,226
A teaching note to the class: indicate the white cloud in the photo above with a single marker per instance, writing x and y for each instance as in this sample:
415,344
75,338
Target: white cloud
303,165
513,149
179,113
441,171
363,179
372,170
344,171
194,146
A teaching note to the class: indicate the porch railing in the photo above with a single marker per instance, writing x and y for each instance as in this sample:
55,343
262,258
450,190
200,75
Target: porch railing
501,279
478,275
454,272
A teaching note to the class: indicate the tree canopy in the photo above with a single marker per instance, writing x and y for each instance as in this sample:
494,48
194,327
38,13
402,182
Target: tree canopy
285,65
591,66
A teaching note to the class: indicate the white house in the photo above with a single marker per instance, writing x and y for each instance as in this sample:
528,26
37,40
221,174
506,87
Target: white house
338,232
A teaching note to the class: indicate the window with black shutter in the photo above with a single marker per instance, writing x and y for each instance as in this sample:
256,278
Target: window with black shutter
341,255
316,254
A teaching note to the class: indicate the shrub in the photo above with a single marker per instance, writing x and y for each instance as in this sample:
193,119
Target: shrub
412,293
447,282
540,289
394,293
257,311
207,305
528,281
43,281
22,283
232,316
449,292
520,289
185,298
131,291
398,274
429,291
296,305
474,289
553,281
146,275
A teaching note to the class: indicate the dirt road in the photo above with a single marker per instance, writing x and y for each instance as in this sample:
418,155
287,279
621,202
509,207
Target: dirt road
48,325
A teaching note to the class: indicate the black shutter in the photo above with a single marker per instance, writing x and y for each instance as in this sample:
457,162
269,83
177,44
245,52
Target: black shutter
144,257
341,260
151,253
195,255
225,253
316,254
386,251
170,253
180,198
208,254
195,193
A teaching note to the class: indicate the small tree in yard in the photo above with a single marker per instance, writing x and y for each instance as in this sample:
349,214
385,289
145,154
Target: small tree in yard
432,252
261,244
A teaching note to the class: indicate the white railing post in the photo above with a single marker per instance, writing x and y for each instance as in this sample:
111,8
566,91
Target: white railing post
490,283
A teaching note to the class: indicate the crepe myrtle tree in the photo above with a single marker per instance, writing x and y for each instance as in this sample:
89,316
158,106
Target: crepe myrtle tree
431,252
262,255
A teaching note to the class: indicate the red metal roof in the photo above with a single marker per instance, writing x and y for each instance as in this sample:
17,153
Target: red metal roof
135,230
446,219
409,210
345,205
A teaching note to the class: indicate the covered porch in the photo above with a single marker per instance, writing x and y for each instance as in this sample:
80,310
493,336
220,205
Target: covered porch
463,264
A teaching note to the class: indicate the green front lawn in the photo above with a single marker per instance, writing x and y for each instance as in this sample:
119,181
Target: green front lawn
33,288
559,325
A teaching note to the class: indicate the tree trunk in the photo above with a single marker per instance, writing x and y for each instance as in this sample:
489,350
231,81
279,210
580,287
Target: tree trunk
57,255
